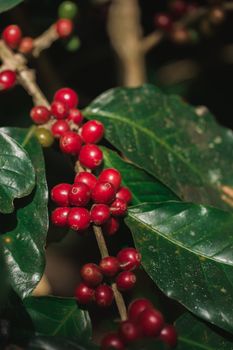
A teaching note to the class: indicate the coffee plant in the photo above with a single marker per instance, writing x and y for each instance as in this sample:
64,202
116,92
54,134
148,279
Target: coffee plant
146,168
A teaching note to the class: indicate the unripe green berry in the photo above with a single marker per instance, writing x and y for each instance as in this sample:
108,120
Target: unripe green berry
45,137
67,9
73,44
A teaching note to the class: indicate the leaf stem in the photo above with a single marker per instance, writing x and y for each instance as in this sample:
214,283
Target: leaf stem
29,135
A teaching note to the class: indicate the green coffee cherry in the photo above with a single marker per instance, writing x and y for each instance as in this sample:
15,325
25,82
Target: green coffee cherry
73,44
45,137
67,9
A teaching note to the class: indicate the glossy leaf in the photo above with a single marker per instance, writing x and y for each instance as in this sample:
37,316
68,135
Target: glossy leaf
17,176
8,4
192,155
52,343
187,251
24,232
144,187
58,317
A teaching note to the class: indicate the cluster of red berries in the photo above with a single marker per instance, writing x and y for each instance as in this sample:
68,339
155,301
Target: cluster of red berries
75,139
143,321
92,289
90,200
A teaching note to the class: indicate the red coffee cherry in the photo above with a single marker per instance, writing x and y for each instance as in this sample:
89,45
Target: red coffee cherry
129,331
118,207
163,21
100,213
125,281
92,131
70,143
137,307
129,259
26,45
112,176
112,341
84,294
87,178
104,295
78,219
75,116
12,35
7,79
169,335
60,194
67,96
79,194
111,227
178,7
125,194
59,128
59,110
40,114
103,193
151,322
90,156
91,274
64,27
59,216
109,266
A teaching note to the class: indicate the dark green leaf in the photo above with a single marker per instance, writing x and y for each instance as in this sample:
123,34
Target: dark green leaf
144,187
187,250
17,176
8,4
58,317
192,155
24,231
51,343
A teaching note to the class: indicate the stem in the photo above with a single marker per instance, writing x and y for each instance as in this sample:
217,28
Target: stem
45,40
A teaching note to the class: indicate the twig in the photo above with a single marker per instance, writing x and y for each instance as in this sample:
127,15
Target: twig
45,40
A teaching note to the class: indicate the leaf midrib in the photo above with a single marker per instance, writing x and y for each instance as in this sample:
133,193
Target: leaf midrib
192,342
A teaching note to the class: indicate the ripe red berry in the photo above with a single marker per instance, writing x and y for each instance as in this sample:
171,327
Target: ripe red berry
12,35
125,281
79,194
103,193
137,307
59,128
40,114
70,143
169,335
129,259
178,7
84,294
129,331
90,156
91,274
64,27
67,96
112,341
26,45
75,116
111,227
92,131
60,194
163,21
118,207
7,79
86,178
78,219
59,110
104,295
151,322
100,213
109,266
112,176
59,216
125,194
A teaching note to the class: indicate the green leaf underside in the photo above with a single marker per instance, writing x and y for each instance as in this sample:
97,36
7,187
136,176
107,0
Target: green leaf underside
24,242
192,155
60,317
187,250
8,4
17,176
144,187
52,343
